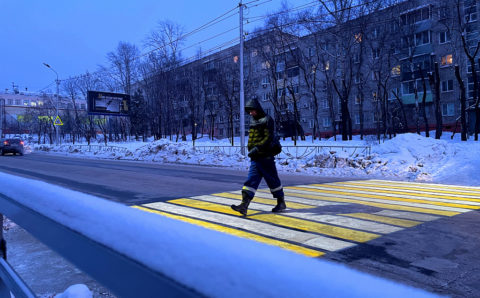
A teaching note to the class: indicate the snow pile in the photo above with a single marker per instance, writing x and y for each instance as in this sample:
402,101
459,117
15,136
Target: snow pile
76,291
407,157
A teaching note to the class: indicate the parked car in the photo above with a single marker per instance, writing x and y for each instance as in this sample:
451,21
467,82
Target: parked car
14,145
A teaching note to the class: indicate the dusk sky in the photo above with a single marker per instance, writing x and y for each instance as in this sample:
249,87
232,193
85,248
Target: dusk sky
75,36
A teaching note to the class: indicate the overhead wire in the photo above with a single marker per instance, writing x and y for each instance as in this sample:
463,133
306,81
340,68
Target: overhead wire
228,14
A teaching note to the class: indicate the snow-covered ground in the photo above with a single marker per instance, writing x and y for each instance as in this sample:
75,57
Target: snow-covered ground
406,157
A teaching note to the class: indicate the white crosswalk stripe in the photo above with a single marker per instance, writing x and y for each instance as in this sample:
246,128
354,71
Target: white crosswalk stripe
385,201
407,215
329,219
305,238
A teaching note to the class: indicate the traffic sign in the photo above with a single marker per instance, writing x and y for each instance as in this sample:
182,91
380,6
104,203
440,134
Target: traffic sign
58,121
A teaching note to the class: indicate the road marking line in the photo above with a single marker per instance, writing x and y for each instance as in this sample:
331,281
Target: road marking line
407,215
411,189
329,219
292,247
472,200
294,199
432,185
209,206
404,198
375,198
338,232
393,221
372,202
291,205
226,201
358,224
314,240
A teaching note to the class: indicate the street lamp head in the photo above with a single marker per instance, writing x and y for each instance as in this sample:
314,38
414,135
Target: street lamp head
46,65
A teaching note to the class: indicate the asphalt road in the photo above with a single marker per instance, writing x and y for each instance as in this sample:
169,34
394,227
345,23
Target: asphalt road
441,256
131,182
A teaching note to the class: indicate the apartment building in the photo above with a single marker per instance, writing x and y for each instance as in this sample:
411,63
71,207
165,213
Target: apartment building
376,68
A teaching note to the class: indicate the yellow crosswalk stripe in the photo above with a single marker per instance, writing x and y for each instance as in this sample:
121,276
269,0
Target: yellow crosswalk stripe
256,199
292,247
374,204
316,227
320,189
410,188
413,194
209,206
393,221
432,185
306,225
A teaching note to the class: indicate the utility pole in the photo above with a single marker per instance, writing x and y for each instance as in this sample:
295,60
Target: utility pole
2,116
242,92
57,129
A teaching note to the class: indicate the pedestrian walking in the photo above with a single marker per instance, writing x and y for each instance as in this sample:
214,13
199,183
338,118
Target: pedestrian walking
263,145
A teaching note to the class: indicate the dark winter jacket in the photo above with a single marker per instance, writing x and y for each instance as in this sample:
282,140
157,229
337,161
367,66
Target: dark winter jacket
261,133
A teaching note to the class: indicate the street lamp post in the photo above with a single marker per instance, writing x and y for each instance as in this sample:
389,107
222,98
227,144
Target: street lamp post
57,81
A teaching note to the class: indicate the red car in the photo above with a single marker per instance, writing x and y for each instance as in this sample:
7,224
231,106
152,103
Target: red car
11,146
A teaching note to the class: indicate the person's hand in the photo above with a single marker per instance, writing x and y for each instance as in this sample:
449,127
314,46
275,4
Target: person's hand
253,152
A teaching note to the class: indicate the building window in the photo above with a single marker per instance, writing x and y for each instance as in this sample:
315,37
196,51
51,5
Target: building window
445,37
310,123
265,65
448,109
374,96
356,58
408,87
447,60
254,53
358,37
265,82
357,99
396,70
327,65
265,96
293,72
357,78
422,38
357,118
327,122
376,53
471,17
325,104
25,102
10,101
235,59
447,86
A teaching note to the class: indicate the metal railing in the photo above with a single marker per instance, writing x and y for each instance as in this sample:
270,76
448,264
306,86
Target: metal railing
124,275
294,151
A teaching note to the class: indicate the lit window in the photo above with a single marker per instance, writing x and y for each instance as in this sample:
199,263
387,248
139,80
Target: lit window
374,95
235,59
358,37
33,104
327,65
396,70
25,102
447,60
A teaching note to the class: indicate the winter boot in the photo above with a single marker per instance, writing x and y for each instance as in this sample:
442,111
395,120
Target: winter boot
280,205
243,207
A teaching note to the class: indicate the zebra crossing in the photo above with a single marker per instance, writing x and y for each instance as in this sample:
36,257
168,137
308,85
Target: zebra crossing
322,218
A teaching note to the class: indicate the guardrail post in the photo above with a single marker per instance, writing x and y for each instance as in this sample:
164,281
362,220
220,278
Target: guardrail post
4,292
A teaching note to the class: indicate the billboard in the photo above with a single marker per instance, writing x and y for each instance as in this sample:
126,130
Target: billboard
107,103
